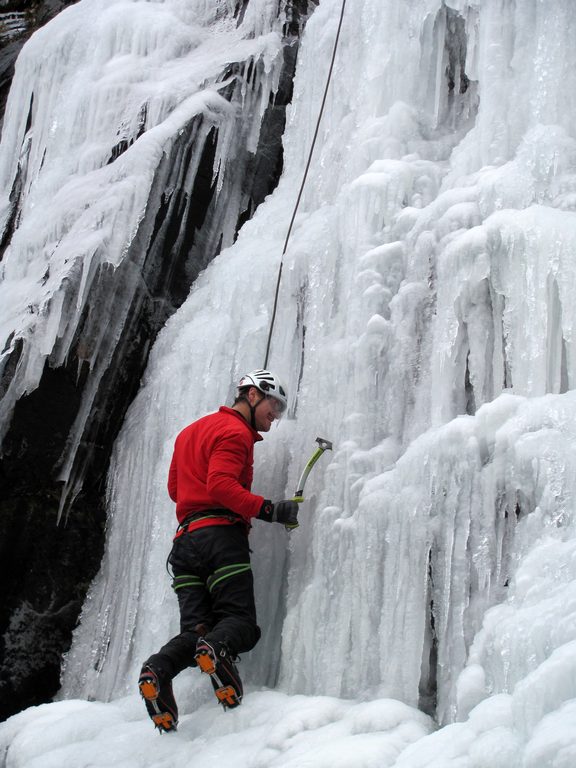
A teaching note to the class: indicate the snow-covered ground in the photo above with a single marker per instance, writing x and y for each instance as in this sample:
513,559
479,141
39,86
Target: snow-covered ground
269,730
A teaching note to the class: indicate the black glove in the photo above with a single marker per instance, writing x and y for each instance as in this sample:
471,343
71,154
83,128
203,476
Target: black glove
285,512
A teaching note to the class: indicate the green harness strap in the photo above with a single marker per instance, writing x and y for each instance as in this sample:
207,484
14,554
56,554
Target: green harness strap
220,574
187,580
226,572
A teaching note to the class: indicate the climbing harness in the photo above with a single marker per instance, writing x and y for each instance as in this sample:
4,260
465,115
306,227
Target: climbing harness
221,515
220,574
295,211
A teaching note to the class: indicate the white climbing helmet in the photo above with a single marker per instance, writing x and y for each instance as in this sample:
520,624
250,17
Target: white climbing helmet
268,383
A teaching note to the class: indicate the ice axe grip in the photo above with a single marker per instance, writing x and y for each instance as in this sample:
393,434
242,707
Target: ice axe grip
323,445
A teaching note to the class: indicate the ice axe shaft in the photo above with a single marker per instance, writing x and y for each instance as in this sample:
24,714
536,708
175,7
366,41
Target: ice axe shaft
323,445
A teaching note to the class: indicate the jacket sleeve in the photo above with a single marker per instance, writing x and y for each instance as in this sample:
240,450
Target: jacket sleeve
230,458
173,479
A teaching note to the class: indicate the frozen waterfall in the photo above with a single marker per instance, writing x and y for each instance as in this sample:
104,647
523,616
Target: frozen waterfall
127,161
427,327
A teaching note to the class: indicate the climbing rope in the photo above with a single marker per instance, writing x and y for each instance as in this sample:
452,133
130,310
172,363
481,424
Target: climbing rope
295,211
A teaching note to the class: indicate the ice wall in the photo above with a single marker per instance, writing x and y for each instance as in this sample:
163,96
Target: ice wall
426,308
114,110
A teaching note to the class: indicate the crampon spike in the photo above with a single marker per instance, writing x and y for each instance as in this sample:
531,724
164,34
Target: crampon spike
227,696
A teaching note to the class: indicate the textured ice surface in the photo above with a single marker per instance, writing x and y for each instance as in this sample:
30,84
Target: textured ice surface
270,730
100,99
426,326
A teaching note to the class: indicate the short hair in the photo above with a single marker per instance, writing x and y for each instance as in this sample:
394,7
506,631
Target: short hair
241,395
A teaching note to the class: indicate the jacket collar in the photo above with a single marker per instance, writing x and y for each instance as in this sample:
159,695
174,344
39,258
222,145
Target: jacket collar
256,435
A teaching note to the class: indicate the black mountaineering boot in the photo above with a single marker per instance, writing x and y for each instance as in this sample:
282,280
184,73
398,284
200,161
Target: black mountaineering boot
156,690
215,659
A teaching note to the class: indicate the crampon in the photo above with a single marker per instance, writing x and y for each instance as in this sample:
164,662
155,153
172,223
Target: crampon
215,660
159,700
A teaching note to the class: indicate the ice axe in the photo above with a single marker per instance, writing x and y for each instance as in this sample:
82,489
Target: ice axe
323,445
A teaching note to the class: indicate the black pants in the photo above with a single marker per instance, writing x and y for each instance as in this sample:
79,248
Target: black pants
215,588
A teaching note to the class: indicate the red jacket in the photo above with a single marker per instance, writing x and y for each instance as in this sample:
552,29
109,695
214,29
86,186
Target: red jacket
212,467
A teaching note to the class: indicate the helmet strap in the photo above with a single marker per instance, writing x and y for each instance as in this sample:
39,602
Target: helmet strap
253,412
252,408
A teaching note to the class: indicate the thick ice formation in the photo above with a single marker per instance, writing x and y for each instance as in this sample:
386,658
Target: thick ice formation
426,326
100,99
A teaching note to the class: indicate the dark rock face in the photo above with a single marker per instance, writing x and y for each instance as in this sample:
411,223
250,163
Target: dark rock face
47,562
45,569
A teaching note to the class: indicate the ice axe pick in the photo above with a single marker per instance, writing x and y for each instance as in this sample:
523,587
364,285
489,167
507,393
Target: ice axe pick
323,445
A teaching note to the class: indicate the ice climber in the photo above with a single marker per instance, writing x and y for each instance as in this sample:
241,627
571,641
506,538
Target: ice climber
210,480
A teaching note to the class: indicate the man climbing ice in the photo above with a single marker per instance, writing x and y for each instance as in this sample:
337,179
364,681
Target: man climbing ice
210,480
